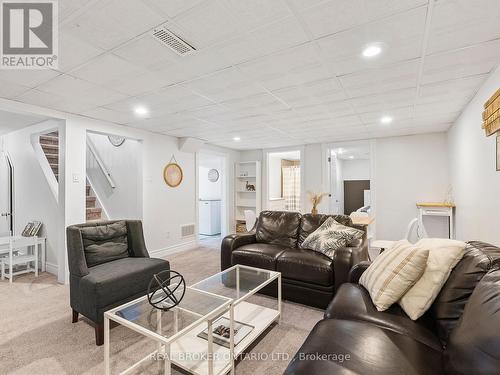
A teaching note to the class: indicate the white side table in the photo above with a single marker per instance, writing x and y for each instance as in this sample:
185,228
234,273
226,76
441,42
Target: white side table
438,209
10,246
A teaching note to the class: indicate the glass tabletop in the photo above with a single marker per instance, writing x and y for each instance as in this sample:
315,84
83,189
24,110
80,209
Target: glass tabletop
194,306
236,282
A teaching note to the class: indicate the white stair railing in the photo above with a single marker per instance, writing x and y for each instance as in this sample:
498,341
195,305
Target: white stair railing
91,147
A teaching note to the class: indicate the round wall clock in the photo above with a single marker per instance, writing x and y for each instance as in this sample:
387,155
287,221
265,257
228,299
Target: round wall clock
116,140
213,175
172,174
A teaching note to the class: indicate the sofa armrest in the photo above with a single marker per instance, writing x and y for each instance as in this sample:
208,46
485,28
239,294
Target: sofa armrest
345,258
76,256
357,270
232,242
135,237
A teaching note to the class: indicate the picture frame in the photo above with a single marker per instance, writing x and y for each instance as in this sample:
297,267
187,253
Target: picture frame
172,174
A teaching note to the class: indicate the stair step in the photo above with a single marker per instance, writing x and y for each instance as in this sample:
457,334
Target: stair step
90,203
48,140
94,213
53,134
54,167
53,159
88,190
50,148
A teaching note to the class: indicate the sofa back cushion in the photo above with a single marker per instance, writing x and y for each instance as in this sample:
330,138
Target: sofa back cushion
278,228
309,223
105,242
449,305
474,345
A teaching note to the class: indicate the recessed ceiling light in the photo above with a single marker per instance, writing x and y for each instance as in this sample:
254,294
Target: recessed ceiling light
386,120
236,139
340,151
372,50
351,157
141,110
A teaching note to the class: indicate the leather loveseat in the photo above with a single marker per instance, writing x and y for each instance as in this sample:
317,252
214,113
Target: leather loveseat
459,334
308,277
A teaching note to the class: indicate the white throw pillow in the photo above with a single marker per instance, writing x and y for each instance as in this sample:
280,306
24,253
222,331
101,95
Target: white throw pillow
393,273
331,236
444,254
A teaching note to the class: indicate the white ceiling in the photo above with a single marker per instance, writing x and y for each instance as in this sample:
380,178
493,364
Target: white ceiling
10,121
274,73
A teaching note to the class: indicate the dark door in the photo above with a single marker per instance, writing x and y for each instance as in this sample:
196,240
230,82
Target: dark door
354,194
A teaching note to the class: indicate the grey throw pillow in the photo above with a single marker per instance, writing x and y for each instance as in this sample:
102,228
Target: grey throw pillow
105,243
331,236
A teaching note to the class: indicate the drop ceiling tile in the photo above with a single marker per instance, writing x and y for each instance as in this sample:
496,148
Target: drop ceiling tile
375,81
460,23
462,89
171,8
205,24
399,115
280,35
148,53
400,38
384,102
74,51
108,24
256,13
47,100
141,84
105,114
479,59
303,4
107,70
10,90
334,16
27,78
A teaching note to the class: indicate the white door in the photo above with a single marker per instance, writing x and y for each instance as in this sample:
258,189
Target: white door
335,191
5,196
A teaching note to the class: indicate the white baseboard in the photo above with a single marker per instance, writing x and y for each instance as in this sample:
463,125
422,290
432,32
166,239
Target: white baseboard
51,268
161,253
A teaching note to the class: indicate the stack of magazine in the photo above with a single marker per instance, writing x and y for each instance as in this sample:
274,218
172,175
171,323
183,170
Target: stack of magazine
31,229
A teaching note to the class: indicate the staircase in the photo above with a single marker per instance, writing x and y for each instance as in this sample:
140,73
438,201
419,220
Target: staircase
50,146
92,211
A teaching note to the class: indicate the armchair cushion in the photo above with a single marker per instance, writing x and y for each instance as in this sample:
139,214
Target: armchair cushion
105,242
112,282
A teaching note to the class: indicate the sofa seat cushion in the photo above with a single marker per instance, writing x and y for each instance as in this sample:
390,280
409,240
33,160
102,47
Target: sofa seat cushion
371,349
110,282
260,255
306,265
352,302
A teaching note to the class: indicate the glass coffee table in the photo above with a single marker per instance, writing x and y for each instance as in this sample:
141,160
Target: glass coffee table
212,325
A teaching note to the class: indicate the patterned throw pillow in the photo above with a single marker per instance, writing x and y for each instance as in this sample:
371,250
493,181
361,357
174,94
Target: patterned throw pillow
331,236
393,273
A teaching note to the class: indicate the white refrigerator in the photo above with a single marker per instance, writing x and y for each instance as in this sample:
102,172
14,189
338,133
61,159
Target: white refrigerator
209,217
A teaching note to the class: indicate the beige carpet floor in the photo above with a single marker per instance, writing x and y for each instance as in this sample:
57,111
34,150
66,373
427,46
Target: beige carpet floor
37,336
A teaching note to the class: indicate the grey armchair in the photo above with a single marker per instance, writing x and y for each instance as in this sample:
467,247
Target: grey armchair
108,265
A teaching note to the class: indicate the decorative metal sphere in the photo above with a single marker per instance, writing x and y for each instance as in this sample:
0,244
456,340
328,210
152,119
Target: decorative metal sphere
166,290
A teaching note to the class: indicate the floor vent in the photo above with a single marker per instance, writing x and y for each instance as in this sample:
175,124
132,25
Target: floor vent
187,230
168,38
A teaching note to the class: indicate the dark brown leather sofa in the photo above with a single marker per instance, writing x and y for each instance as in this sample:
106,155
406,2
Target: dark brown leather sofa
459,334
308,277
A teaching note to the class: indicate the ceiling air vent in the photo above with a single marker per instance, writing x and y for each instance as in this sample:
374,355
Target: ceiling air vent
168,38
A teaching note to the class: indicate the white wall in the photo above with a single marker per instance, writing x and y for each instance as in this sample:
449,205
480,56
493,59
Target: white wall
357,169
33,198
474,178
274,177
123,163
408,170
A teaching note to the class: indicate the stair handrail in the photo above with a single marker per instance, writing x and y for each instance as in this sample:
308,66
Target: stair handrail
100,162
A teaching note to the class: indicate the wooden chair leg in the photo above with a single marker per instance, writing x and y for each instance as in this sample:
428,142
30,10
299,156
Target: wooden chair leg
75,316
99,334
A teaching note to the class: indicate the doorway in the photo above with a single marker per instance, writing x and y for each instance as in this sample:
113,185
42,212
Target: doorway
6,195
350,178
212,206
284,181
